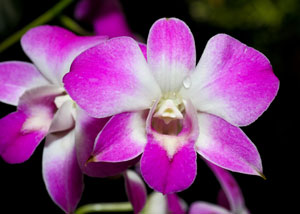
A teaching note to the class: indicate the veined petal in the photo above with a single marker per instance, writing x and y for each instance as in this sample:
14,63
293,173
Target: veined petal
61,173
122,139
168,163
63,118
22,131
52,49
171,52
232,81
230,188
115,74
87,129
136,190
227,146
201,207
17,77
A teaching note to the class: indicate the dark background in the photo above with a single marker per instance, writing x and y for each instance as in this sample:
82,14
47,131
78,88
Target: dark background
272,27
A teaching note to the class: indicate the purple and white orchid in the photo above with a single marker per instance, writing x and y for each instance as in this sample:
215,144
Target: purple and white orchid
230,198
166,108
44,109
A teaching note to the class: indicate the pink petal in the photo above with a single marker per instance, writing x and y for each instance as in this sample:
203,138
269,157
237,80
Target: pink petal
17,77
87,129
230,187
171,52
52,49
122,139
116,75
17,146
168,163
61,173
175,204
136,190
22,131
200,207
232,81
227,146
106,16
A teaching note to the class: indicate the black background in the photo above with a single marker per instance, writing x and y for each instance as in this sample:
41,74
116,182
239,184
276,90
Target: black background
275,133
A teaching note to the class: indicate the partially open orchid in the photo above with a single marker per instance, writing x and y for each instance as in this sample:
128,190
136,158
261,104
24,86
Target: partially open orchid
167,108
230,198
106,16
44,108
156,202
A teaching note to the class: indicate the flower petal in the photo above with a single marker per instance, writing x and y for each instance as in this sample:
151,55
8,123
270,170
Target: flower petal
52,49
168,163
16,146
17,77
232,81
116,75
61,173
122,139
63,118
22,131
227,146
106,15
175,204
87,129
200,207
136,190
230,187
171,52
156,203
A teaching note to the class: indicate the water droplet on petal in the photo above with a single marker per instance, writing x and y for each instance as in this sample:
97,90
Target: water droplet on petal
187,82
245,50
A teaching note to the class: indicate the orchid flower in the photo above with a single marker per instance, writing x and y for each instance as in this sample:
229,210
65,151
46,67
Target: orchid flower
106,17
230,197
44,109
156,203
166,108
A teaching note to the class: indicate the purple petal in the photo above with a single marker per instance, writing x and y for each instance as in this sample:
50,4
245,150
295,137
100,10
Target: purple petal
122,139
136,190
171,52
17,145
232,81
116,75
52,49
61,173
87,129
17,77
200,207
175,205
230,187
22,131
227,146
168,163
106,16
222,199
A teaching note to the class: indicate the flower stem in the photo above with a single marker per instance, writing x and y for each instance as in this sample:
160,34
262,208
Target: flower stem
73,26
105,207
44,18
